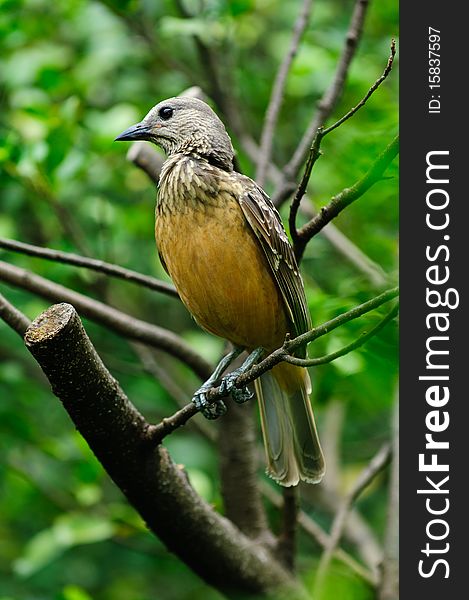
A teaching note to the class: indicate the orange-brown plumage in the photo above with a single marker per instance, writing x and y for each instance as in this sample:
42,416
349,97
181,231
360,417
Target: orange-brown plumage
223,244
215,260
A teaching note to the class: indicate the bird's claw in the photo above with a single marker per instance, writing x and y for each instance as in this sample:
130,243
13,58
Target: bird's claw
239,395
210,410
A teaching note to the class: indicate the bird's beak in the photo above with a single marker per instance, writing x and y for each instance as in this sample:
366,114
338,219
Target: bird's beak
140,131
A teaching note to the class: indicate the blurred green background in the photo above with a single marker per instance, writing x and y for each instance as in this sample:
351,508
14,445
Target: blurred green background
74,74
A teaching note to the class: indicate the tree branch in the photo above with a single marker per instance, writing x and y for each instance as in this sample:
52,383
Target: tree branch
90,263
113,319
239,472
322,360
315,531
372,89
328,101
389,586
350,251
146,158
278,90
310,527
160,491
375,466
286,547
345,198
167,425
321,133
13,317
329,495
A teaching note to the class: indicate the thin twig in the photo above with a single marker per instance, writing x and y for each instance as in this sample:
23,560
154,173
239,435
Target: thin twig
90,263
278,90
315,150
322,360
345,198
314,154
375,466
167,425
372,89
329,495
316,532
349,250
328,101
13,317
116,320
154,366
389,585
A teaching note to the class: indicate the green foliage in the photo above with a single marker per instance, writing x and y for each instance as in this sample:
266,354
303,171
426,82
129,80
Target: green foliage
72,76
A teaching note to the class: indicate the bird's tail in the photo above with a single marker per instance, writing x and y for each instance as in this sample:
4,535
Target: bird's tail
291,441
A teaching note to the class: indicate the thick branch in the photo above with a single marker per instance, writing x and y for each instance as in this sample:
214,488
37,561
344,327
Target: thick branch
90,263
278,90
286,548
346,197
310,527
157,488
113,319
239,471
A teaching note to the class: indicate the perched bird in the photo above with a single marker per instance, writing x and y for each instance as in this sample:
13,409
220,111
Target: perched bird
222,241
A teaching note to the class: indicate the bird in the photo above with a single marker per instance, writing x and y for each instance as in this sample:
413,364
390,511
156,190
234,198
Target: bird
222,242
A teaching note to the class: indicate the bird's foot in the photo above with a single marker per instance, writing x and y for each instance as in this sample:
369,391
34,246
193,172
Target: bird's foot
210,410
227,386
213,410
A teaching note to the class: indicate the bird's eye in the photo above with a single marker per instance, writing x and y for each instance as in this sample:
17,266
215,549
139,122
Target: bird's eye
166,112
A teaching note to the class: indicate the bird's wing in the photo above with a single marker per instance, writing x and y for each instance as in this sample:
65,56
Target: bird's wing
266,224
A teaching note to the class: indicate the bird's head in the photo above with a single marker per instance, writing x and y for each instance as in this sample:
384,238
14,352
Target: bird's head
185,125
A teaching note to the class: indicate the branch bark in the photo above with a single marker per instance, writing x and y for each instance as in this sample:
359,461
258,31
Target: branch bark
345,198
208,543
239,472
13,317
113,319
278,89
286,547
99,266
